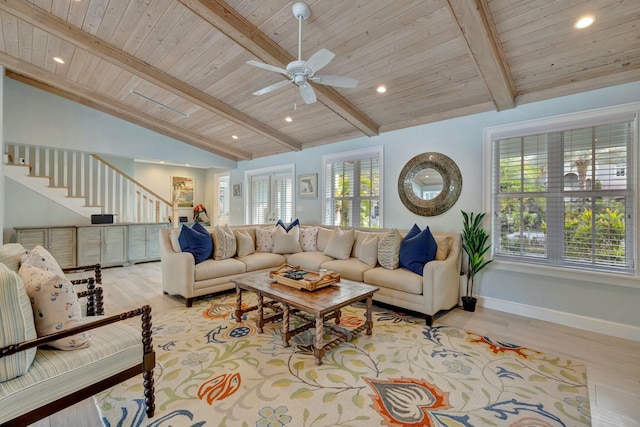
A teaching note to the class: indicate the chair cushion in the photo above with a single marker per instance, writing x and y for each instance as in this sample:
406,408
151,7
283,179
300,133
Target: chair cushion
55,306
444,246
389,249
16,318
287,241
340,244
41,258
309,239
417,249
224,242
10,255
196,241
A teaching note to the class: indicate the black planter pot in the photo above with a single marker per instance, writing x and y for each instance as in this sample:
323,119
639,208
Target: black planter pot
469,303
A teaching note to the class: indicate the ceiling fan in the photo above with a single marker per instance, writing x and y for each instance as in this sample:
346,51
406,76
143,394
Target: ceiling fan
302,72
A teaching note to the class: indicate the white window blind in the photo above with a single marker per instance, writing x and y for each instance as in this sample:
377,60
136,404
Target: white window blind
352,189
271,197
565,198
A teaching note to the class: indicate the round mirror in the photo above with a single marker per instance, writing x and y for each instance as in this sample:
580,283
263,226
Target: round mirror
429,184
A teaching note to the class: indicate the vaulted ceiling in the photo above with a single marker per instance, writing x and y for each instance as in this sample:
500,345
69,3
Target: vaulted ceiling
179,67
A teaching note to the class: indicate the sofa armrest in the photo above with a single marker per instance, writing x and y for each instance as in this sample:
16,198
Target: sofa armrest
178,268
441,280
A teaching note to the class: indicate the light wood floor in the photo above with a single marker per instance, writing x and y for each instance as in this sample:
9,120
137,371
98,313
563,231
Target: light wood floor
613,364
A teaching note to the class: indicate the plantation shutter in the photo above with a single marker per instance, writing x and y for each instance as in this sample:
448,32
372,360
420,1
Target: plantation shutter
271,197
564,197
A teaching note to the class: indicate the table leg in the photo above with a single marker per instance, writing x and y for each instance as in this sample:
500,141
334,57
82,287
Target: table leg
285,325
260,319
239,312
338,314
318,349
369,314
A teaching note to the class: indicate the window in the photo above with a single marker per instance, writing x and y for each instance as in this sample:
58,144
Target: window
352,192
270,195
563,195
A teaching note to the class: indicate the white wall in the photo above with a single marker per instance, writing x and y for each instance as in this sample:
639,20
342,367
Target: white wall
462,140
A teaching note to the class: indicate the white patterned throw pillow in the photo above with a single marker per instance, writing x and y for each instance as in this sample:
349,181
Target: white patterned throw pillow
16,318
55,306
389,249
224,242
265,238
309,239
41,258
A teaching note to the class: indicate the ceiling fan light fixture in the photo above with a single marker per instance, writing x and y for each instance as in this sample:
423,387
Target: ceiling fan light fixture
584,22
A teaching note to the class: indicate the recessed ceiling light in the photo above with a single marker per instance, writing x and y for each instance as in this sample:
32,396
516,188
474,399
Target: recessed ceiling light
584,22
187,164
162,162
58,60
288,119
234,136
381,89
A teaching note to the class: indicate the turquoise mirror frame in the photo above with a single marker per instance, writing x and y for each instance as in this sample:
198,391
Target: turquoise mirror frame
451,184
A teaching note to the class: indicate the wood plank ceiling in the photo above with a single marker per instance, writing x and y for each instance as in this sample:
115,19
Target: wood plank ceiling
178,67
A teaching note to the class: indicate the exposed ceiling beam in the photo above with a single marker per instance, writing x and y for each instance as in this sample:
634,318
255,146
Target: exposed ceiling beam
479,33
240,30
59,28
34,76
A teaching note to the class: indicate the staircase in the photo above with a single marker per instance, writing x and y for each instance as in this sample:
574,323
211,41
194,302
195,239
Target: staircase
84,183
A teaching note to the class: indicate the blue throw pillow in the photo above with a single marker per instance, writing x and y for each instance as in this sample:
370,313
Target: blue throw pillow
287,228
417,249
197,241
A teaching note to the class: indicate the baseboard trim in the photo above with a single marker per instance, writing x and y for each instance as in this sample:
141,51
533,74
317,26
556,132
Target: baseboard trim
592,324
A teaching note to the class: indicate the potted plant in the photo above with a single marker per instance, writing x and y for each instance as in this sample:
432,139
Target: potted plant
475,242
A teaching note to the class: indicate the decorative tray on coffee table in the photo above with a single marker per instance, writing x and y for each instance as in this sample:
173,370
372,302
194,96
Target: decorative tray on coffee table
300,278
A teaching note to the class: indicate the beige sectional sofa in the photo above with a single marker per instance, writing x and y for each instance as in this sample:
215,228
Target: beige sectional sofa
437,289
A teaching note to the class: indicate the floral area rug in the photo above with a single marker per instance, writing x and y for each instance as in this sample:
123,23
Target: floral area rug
214,371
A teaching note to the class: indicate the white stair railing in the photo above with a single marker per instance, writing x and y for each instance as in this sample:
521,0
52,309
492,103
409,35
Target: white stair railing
94,179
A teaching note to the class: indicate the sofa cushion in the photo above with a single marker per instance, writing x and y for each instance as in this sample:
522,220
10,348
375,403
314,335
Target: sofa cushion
287,241
324,234
389,249
399,279
196,241
417,249
368,250
340,244
444,246
40,258
224,242
10,255
308,260
309,239
262,260
350,269
55,306
265,238
294,223
16,318
214,269
244,242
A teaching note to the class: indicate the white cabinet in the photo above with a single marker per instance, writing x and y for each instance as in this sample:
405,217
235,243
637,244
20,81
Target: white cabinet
59,241
106,245
144,242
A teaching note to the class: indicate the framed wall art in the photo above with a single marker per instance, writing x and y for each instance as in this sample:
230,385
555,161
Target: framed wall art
237,190
308,185
183,190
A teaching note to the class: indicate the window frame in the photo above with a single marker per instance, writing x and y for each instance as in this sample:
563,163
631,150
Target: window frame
286,169
354,155
592,118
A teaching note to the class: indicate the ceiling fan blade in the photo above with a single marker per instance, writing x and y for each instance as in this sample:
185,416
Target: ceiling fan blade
307,93
318,60
272,87
337,81
267,67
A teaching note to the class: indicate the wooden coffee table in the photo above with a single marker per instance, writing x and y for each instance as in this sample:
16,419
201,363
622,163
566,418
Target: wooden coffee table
323,304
